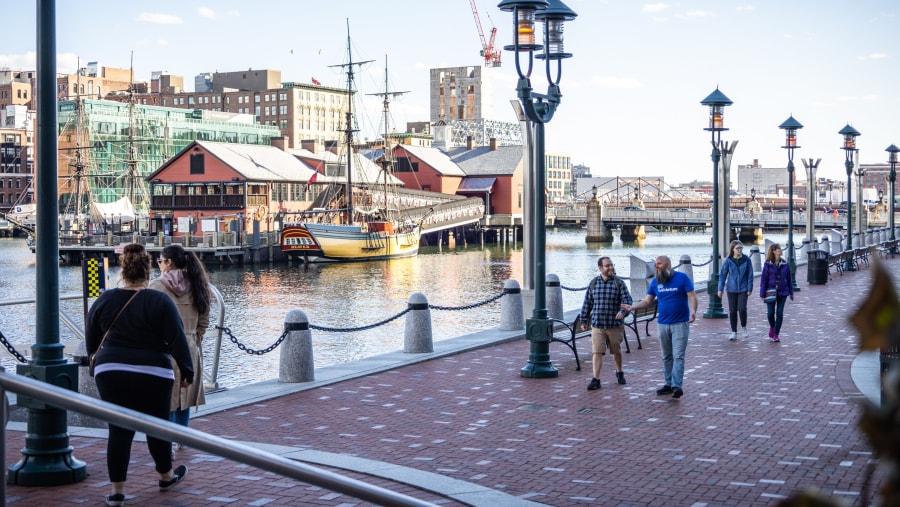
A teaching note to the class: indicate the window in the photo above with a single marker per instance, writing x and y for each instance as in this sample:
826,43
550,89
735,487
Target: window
198,164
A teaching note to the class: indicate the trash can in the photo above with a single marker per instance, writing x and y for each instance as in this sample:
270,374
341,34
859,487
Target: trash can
817,267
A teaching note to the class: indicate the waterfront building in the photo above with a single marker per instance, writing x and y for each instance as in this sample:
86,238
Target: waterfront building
16,168
765,180
212,185
16,88
559,177
107,148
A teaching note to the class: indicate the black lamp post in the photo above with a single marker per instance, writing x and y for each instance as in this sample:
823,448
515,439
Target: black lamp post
830,187
540,109
791,126
716,102
892,177
849,148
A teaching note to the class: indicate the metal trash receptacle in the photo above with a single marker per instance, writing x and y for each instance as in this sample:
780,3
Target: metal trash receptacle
817,267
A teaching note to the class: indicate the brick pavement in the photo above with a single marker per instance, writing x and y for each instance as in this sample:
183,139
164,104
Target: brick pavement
758,422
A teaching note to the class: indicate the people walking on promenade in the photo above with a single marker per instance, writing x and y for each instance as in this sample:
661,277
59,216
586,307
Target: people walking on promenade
676,310
185,280
132,336
776,274
603,311
736,278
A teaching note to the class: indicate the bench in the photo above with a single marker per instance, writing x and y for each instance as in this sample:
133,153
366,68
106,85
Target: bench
572,332
645,315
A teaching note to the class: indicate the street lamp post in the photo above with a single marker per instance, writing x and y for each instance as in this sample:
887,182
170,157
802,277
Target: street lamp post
540,109
830,187
892,177
791,126
849,148
716,101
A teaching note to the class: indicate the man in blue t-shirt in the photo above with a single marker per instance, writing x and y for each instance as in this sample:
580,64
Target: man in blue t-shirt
676,310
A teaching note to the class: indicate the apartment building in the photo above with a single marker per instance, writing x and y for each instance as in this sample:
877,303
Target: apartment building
461,93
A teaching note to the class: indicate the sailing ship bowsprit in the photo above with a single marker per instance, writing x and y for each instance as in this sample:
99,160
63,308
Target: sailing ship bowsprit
368,227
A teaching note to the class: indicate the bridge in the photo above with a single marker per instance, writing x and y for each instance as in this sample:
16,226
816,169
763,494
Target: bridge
668,218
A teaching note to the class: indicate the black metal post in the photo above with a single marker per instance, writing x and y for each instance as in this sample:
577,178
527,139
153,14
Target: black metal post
849,148
791,126
892,177
717,101
47,456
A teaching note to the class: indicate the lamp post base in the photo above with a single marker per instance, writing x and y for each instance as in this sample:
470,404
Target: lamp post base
539,331
792,266
715,310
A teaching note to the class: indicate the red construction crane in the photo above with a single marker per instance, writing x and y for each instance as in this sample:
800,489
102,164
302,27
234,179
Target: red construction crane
490,54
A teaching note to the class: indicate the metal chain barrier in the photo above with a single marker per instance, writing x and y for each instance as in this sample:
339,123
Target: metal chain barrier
248,350
358,328
468,307
12,350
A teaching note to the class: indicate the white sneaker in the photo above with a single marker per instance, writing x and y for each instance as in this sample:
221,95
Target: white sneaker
733,336
746,333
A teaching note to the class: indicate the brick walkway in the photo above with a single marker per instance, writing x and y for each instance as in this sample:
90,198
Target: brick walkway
758,422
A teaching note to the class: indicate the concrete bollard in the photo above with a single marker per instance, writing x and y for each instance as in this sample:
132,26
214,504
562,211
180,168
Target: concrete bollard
825,244
804,247
755,259
512,313
837,241
554,297
296,363
685,266
417,337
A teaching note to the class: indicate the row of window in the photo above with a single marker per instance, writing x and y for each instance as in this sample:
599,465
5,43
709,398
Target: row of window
9,182
21,94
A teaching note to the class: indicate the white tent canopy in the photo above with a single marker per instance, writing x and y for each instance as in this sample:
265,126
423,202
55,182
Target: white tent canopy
114,212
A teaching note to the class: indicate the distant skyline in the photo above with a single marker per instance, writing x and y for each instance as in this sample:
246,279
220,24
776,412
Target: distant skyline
631,92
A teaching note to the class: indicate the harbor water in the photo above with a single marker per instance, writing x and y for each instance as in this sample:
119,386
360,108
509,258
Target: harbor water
351,295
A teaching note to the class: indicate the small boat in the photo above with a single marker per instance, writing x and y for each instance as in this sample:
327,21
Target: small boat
346,232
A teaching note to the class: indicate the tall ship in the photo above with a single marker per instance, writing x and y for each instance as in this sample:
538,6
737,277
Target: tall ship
354,221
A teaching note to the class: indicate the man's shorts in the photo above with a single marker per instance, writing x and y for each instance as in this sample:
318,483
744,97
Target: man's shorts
600,337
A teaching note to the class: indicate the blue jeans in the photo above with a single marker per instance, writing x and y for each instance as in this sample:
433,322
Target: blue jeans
673,340
775,313
181,417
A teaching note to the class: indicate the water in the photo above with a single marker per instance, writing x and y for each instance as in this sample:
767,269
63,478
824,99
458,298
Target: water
347,295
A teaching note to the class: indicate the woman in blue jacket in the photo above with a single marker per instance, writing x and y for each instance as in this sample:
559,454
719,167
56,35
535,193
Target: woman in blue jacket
736,277
776,275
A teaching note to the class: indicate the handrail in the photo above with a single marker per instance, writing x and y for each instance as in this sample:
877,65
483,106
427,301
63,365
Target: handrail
71,324
196,439
214,371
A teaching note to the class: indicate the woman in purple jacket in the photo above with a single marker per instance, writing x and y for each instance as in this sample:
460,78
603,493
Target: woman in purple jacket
776,274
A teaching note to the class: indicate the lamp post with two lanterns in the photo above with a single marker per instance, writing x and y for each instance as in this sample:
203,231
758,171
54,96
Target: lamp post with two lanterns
791,126
716,101
850,134
539,108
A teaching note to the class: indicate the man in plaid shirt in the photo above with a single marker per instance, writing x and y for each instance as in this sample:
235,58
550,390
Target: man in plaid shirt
602,308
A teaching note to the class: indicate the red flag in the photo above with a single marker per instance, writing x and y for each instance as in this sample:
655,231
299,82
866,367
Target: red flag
316,82
312,179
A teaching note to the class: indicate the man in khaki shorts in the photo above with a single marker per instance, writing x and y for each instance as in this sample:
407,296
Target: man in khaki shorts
602,309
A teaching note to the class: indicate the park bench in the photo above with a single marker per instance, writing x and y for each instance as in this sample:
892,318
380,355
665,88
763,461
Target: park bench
887,248
861,256
572,332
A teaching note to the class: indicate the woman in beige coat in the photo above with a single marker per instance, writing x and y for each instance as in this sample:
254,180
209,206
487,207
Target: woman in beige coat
184,279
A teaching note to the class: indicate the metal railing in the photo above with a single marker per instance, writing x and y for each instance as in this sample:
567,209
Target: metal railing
126,418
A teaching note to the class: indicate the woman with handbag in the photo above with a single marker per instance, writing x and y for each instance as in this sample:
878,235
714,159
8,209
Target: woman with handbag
132,336
775,286
736,278
184,279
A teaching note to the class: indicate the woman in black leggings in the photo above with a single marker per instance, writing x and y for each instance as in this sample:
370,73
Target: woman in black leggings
135,334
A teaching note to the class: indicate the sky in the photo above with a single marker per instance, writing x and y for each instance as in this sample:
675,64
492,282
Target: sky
631,91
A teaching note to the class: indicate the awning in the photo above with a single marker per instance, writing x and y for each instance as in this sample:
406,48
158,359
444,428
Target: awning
476,185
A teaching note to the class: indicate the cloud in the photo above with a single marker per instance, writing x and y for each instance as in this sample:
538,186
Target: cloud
745,8
616,83
25,61
873,56
206,12
159,19
657,7
698,14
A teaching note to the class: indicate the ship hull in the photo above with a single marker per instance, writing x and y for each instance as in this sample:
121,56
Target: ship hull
338,242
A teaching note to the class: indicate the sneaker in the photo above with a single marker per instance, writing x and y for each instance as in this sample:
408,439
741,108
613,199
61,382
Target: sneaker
594,385
771,332
180,473
746,333
620,377
775,338
115,500
664,390
733,336
677,393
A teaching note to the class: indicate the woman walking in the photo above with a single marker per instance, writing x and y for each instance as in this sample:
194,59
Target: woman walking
736,277
136,334
776,275
185,280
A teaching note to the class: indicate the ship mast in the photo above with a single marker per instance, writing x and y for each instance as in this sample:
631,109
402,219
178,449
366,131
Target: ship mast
348,128
387,157
132,154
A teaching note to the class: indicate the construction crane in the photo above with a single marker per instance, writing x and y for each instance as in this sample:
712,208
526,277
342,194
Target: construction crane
491,55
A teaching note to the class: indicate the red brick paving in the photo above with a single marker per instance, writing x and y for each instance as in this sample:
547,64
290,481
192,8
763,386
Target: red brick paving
758,422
